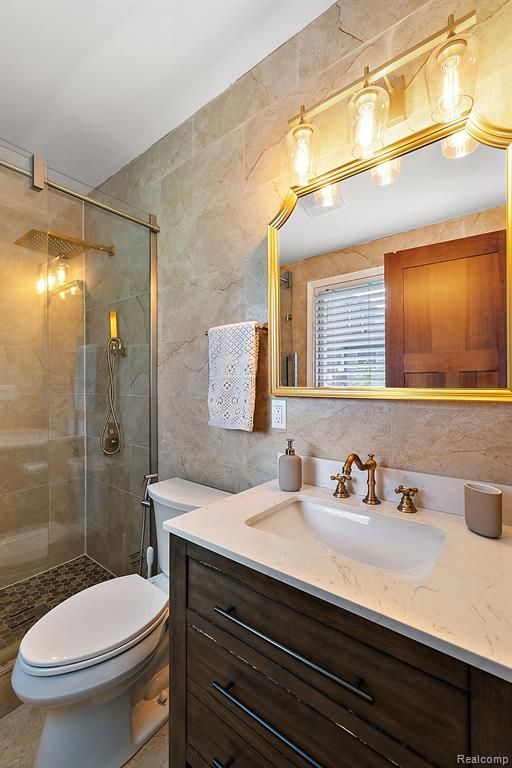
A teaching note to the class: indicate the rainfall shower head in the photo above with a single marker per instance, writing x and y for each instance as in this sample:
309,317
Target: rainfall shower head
55,244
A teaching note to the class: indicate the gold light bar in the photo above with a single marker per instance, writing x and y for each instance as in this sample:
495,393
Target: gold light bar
383,72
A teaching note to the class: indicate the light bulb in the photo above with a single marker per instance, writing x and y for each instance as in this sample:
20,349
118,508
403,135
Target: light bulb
302,159
62,294
61,272
303,152
459,144
51,280
386,173
368,115
41,285
451,77
452,92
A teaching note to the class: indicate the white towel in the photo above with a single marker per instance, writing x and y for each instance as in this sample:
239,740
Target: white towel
233,364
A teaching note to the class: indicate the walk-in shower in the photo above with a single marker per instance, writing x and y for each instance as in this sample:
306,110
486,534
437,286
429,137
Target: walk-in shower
77,425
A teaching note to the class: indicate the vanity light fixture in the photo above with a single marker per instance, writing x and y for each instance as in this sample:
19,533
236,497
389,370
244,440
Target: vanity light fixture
386,173
52,274
368,112
459,144
451,76
303,143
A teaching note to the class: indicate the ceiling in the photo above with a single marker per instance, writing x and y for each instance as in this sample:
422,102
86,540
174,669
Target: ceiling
91,84
430,189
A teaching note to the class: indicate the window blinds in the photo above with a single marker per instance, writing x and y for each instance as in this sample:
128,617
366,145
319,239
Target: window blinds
350,334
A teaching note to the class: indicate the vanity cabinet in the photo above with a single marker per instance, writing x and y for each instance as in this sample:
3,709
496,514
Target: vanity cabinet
263,674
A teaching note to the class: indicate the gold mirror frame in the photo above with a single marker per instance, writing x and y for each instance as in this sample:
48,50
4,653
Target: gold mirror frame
479,129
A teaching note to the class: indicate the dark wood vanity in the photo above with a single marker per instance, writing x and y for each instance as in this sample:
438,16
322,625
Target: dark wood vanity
265,675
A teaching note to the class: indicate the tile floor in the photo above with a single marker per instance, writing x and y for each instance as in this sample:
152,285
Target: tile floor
19,735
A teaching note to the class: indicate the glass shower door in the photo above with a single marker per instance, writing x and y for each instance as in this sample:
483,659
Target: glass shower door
24,419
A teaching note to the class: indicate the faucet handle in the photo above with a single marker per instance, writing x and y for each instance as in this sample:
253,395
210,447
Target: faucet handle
341,489
406,503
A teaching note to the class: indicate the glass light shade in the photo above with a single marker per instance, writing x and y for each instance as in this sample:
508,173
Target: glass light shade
386,173
330,196
368,112
303,150
457,145
451,78
61,270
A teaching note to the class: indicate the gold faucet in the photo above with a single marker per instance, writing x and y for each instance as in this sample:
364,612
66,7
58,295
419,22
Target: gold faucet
369,466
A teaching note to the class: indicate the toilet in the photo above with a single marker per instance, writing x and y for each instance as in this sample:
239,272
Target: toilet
98,662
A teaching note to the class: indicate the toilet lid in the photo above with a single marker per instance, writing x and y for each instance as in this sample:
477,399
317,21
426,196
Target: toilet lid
94,622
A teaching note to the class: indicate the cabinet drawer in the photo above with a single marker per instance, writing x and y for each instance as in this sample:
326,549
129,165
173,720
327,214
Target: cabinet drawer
218,744
417,709
292,727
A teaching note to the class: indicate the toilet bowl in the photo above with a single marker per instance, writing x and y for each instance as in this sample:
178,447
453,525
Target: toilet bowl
98,662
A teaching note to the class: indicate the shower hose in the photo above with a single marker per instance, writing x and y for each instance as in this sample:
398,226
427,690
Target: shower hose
111,420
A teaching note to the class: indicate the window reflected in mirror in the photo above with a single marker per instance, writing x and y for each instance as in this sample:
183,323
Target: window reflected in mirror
397,276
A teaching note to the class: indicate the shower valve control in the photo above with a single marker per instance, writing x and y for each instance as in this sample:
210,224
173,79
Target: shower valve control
112,436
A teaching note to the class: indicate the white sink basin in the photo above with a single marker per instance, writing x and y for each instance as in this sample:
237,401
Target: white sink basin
370,537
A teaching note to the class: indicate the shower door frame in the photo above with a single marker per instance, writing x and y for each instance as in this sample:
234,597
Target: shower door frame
41,182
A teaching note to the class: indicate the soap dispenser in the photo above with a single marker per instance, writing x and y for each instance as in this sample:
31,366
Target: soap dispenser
290,470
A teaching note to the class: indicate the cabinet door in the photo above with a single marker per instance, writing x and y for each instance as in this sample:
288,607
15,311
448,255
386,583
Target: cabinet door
446,321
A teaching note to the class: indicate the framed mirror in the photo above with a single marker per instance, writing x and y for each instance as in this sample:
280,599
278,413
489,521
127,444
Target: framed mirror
392,278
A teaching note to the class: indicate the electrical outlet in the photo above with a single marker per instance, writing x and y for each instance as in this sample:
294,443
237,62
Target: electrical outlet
278,414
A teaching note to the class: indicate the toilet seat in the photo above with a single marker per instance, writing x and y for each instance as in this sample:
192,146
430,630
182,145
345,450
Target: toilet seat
74,687
94,625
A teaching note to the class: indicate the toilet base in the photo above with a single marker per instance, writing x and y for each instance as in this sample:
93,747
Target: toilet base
93,734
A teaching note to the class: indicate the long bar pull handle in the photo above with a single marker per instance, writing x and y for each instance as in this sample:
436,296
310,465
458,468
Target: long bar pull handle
307,662
217,763
225,692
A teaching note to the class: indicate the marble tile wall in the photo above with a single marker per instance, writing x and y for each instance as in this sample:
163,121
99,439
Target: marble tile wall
41,394
114,483
217,180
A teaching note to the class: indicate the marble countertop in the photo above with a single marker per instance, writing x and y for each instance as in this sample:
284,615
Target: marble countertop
461,606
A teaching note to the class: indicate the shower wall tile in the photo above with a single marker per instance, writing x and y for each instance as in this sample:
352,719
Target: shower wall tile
125,274
23,534
65,370
66,458
139,466
23,510
22,370
111,470
24,418
134,414
112,550
66,322
66,414
66,523
138,380
24,465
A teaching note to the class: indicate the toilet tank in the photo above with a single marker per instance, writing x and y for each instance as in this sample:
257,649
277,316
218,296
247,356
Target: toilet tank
175,497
